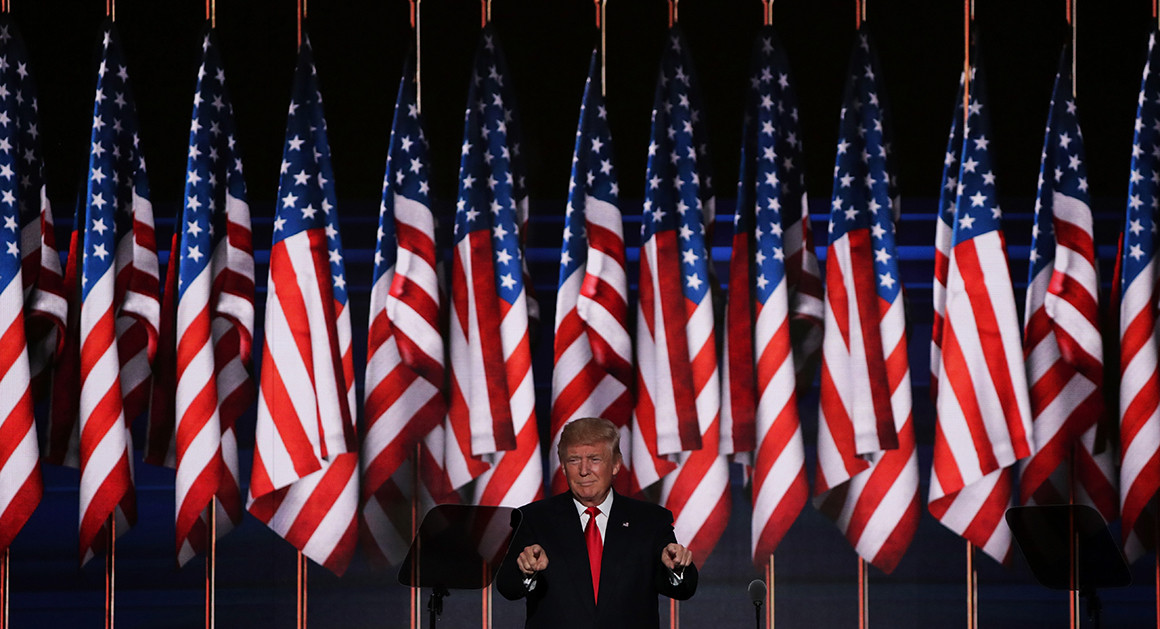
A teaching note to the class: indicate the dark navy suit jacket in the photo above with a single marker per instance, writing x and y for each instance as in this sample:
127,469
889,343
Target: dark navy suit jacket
631,574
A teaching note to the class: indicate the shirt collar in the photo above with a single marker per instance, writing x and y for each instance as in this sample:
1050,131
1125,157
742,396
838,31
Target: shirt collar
605,507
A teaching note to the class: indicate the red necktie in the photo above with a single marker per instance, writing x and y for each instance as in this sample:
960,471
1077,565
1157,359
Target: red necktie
595,549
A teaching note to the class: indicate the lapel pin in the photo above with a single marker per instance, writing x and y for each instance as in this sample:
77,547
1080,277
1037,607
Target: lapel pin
624,524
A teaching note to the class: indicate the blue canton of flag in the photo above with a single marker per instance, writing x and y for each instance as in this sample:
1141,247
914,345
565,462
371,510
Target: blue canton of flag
306,197
490,184
1144,188
592,175
776,158
117,168
677,163
215,168
976,196
862,183
21,165
406,173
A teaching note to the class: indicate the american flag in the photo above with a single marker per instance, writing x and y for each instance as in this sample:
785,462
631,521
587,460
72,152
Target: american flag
119,303
492,422
44,299
773,273
676,418
212,272
405,406
1062,343
20,482
304,483
1140,325
62,439
984,414
867,479
593,351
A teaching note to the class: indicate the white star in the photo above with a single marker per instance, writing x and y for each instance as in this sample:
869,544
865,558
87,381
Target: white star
10,223
967,221
100,251
302,178
887,280
13,248
279,223
296,143
1136,252
694,281
289,200
99,200
978,199
762,282
881,255
507,280
339,282
195,253
309,211
193,203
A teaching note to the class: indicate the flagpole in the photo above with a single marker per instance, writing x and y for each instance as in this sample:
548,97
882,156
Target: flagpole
110,570
674,614
863,595
415,592
972,594
4,586
415,11
769,617
672,13
601,19
300,612
211,568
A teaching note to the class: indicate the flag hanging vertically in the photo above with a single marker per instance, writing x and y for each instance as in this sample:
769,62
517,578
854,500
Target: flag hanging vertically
1140,326
867,479
984,415
304,483
1062,343
493,434
119,309
773,282
21,485
677,413
62,438
46,308
405,407
593,351
213,271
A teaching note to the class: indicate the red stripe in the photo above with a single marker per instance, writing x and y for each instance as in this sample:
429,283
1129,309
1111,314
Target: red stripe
676,315
290,428
869,318
490,341
740,315
991,340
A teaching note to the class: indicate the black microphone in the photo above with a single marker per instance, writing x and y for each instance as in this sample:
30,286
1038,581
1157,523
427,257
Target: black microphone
757,595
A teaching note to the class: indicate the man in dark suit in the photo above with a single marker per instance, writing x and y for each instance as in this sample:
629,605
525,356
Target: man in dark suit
591,557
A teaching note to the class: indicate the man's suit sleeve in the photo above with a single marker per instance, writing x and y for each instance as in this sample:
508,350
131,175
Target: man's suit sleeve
510,579
685,589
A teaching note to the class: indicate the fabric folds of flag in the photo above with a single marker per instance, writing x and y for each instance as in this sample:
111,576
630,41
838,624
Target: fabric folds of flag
46,308
593,350
405,407
867,479
21,485
1139,283
1062,344
984,413
304,483
492,426
676,417
119,309
759,413
212,273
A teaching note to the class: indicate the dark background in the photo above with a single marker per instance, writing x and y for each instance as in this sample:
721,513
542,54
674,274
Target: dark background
359,49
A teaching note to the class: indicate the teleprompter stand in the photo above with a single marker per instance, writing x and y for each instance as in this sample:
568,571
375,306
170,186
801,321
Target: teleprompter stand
458,547
1069,547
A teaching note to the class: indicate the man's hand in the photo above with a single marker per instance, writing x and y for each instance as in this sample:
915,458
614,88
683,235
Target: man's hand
533,559
676,557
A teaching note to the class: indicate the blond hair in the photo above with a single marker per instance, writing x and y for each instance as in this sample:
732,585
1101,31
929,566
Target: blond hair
589,431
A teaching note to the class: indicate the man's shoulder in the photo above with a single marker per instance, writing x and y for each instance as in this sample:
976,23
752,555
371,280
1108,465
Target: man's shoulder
642,508
546,506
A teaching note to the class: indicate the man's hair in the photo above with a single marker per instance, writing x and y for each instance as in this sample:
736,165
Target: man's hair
589,431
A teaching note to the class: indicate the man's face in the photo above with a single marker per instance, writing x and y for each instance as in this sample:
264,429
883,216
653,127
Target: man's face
590,469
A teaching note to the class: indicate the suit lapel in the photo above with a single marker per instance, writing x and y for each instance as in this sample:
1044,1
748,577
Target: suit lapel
574,551
617,540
